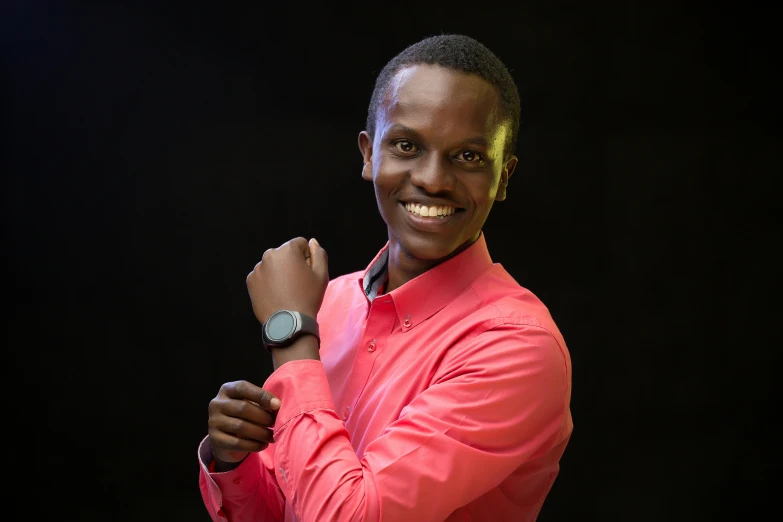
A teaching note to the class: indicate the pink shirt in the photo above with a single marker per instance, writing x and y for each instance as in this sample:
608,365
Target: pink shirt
445,399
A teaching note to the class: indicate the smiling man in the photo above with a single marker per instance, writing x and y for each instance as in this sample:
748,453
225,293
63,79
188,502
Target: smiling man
439,158
430,386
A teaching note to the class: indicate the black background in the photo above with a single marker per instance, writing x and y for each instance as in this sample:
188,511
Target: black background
153,152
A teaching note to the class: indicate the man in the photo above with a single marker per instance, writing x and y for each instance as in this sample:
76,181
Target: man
432,387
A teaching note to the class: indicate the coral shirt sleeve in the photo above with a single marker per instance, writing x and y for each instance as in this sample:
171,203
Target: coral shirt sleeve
496,402
244,494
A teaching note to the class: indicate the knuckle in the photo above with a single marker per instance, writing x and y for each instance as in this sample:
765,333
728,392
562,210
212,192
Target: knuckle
291,243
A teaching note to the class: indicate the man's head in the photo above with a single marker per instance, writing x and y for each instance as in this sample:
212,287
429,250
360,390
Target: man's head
460,53
440,133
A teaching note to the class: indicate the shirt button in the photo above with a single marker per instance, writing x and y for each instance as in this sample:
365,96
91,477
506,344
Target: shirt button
371,347
406,323
345,415
237,481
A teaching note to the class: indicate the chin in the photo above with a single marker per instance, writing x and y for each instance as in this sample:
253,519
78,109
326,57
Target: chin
427,249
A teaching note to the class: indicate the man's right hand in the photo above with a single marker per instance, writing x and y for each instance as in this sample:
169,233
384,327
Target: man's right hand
239,420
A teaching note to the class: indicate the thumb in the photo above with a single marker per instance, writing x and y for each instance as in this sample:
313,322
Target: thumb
319,261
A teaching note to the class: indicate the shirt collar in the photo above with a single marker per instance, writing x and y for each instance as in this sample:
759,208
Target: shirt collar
430,292
376,275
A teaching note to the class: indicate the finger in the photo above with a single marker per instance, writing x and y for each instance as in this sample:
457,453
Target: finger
250,392
299,243
241,429
248,411
319,260
229,442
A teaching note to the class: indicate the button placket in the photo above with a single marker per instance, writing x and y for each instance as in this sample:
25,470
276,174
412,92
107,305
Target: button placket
381,320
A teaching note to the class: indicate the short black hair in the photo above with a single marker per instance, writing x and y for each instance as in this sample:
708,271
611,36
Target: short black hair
460,53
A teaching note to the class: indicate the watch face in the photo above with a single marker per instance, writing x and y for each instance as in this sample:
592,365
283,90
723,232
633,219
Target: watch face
280,326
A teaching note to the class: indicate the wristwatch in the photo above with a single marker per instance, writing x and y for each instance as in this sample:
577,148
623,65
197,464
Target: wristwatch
285,326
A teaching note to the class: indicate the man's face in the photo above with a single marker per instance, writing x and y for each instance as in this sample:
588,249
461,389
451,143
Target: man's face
439,143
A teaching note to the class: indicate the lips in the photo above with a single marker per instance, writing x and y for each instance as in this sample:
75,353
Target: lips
429,223
431,210
429,202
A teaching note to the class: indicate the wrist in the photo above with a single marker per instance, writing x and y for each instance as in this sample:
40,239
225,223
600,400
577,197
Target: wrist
303,348
222,466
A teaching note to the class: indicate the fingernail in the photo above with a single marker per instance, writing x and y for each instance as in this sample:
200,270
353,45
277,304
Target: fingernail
275,403
314,240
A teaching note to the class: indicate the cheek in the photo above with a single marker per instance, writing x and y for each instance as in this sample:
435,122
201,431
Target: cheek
388,176
483,193
385,188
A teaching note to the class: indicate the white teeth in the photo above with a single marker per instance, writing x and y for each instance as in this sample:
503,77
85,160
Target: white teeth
434,211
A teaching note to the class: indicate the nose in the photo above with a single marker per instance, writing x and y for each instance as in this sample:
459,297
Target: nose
433,175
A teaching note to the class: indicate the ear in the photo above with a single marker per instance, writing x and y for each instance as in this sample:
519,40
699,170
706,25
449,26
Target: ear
365,146
505,174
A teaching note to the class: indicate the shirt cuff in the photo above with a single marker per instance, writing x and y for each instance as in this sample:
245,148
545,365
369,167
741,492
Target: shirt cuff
242,479
302,386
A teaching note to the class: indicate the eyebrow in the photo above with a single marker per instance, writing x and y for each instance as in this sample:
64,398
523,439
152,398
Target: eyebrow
399,127
476,140
402,129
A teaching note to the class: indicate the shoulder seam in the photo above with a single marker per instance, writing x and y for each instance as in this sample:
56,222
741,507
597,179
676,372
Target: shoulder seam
504,321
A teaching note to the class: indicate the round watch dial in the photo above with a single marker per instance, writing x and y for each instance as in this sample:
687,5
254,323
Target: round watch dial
280,326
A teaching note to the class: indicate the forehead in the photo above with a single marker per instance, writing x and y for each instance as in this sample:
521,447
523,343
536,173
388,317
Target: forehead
441,100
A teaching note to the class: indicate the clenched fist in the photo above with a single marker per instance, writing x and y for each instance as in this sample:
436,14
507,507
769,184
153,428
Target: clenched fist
293,276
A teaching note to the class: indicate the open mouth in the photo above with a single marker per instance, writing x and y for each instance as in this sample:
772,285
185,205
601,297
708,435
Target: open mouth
431,212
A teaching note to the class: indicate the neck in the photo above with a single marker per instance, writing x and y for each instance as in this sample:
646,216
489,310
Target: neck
403,266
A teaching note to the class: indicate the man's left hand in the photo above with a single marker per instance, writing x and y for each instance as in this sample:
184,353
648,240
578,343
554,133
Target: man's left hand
293,276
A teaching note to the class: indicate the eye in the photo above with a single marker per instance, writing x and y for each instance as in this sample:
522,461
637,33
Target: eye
471,157
405,146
